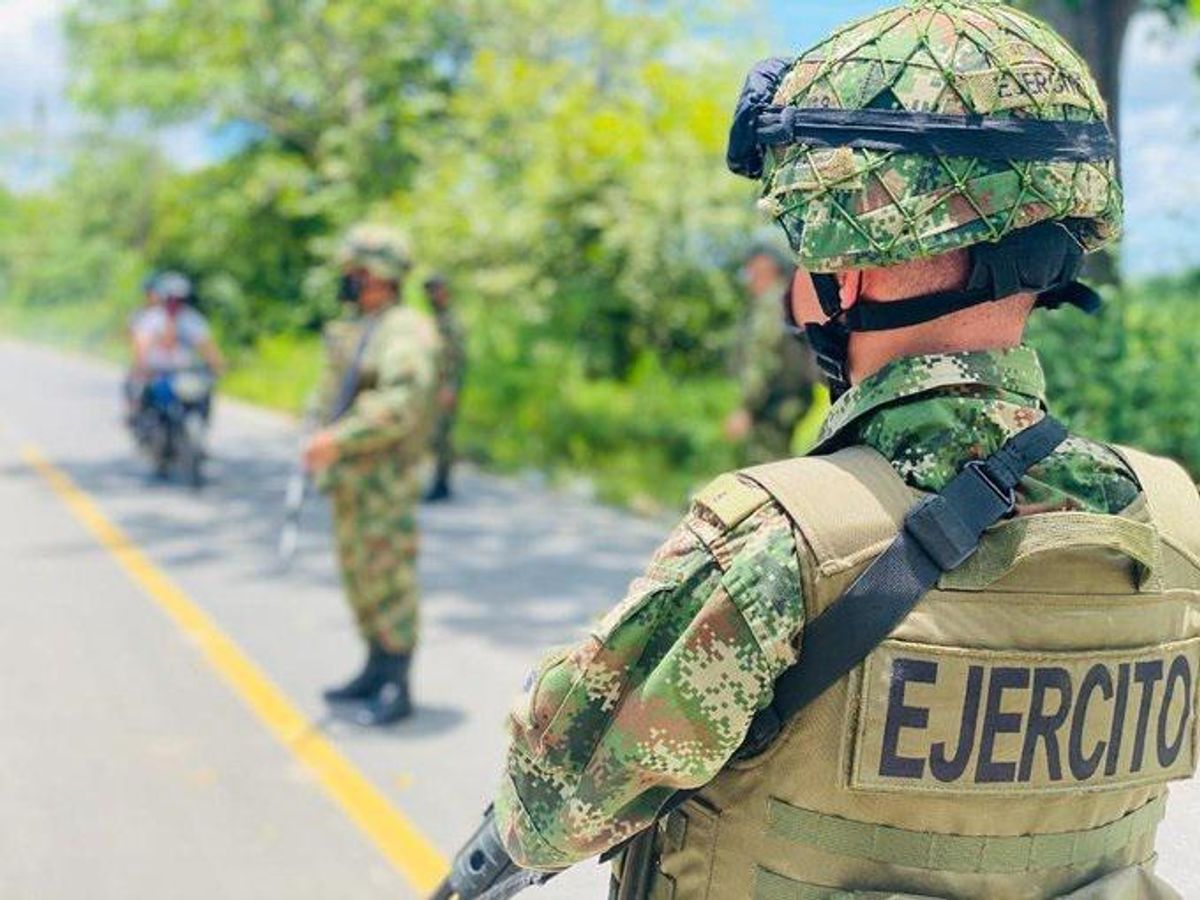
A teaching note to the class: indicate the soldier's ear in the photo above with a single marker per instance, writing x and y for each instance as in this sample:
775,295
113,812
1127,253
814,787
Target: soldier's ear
850,282
805,307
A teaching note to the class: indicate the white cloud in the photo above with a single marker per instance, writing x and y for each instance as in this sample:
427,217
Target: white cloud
32,55
1160,130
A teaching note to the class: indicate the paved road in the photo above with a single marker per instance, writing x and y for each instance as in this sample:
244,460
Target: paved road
128,769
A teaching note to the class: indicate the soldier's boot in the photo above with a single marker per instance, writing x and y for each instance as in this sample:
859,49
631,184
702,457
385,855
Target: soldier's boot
365,684
440,490
391,702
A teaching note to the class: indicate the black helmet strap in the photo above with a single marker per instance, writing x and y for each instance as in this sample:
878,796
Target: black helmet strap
1044,259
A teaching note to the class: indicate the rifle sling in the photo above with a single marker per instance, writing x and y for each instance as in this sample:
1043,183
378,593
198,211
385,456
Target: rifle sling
348,390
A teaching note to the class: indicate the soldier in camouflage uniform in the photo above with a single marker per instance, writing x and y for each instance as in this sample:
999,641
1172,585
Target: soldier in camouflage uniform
776,373
453,372
377,398
939,168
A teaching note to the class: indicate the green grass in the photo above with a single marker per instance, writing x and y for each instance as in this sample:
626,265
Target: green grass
91,329
279,371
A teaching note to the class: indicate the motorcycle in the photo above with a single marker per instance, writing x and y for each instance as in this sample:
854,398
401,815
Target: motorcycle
171,424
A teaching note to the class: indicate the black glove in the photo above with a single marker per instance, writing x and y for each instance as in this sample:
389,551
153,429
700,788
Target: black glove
745,156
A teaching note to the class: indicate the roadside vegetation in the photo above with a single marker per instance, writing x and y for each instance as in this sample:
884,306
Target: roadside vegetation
561,163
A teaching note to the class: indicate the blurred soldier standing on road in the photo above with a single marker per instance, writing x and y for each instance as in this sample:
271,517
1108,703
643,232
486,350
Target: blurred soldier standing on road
377,398
954,653
777,374
453,372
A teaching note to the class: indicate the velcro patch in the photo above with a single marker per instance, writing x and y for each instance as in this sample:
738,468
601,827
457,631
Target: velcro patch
1028,84
974,721
732,500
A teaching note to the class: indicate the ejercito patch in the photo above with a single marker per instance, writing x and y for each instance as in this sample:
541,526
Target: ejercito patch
965,721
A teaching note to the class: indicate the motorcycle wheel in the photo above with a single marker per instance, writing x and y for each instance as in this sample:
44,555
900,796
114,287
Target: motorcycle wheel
192,454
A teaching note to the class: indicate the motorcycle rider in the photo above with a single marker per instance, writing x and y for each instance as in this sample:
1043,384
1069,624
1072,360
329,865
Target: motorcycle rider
172,334
175,362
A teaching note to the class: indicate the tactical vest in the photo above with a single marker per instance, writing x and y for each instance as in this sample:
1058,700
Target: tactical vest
353,348
1012,739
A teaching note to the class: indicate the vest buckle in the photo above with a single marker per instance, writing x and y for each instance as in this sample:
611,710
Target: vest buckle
764,728
1007,495
947,526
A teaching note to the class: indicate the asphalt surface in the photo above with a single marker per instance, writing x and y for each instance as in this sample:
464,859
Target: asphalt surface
129,769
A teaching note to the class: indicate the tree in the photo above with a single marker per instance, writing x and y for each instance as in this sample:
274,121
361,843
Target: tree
584,184
568,154
1098,29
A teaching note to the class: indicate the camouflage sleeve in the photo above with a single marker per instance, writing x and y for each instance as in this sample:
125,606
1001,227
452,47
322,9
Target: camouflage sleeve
658,697
391,411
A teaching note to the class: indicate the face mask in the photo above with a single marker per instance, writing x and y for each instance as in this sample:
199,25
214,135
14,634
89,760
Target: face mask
350,288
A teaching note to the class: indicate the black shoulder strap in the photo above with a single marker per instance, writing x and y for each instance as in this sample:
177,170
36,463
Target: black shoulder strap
352,377
940,533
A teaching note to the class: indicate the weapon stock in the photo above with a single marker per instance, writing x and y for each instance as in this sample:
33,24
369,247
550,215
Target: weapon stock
483,870
298,488
293,508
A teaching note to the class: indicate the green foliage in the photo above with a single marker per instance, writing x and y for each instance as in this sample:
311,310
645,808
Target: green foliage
82,244
583,190
560,161
647,439
278,371
1129,374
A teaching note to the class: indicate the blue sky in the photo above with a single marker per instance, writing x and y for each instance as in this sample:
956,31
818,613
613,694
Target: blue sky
1161,105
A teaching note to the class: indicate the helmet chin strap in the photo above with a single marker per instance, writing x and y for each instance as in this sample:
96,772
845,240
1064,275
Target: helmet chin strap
1044,259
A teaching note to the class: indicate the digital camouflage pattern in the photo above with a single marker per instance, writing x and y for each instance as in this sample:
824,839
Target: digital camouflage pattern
853,208
660,694
380,249
776,374
927,442
374,483
453,366
375,532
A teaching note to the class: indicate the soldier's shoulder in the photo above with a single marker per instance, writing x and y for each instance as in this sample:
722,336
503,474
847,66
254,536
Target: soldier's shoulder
340,328
1099,475
410,321
731,499
406,313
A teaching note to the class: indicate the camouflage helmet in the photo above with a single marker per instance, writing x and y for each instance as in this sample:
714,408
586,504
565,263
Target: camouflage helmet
380,249
1004,127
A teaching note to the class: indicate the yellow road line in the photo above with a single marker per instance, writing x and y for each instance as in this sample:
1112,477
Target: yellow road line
396,837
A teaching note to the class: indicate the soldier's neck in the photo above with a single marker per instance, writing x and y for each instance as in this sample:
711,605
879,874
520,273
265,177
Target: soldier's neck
997,326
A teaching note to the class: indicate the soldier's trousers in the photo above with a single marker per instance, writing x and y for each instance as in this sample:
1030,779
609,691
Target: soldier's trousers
443,445
375,527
